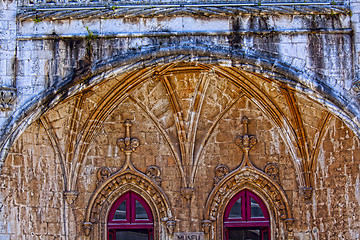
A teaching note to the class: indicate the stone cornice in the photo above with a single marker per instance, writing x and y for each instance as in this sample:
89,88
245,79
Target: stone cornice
60,12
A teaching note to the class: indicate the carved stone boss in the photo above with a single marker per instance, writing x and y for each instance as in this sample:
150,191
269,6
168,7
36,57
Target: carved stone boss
245,143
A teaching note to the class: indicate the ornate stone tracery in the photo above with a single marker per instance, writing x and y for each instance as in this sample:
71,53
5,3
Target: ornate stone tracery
128,178
246,176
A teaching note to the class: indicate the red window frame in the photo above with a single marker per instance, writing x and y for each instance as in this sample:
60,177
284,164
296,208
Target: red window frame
130,222
246,221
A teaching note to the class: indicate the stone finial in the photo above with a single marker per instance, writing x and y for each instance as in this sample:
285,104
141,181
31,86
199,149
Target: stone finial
153,172
220,172
70,196
170,225
7,97
128,144
206,225
245,143
87,228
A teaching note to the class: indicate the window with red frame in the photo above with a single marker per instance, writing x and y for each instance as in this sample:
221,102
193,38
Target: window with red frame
246,218
130,217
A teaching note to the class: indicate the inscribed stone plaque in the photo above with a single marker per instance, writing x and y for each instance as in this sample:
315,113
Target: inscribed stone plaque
189,236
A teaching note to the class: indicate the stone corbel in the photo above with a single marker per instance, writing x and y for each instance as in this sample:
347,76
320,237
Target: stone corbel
70,196
306,192
87,228
187,193
170,225
206,225
290,227
7,97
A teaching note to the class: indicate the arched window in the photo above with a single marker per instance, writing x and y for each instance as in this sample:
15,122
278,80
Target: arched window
130,217
246,217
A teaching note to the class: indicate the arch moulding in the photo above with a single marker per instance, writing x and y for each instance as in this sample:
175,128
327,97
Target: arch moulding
305,82
261,184
111,189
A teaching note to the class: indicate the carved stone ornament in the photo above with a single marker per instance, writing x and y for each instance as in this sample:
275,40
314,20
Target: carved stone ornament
170,225
119,183
356,87
70,196
272,170
128,144
7,97
206,225
220,172
306,192
87,228
239,179
153,172
245,143
187,193
290,227
102,174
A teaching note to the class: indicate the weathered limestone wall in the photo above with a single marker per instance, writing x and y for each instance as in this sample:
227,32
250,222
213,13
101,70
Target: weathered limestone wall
37,171
32,189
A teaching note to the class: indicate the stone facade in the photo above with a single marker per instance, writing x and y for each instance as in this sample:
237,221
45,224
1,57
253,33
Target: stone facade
184,104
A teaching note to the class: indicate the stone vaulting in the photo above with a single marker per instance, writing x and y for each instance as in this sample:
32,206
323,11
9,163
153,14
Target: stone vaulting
186,106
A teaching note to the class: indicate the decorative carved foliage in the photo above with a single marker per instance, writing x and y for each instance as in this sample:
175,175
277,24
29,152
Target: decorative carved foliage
102,174
272,170
154,173
246,141
220,172
7,97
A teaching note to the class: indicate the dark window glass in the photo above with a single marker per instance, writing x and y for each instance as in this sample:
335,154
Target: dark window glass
132,234
265,235
255,209
244,234
120,213
140,211
235,211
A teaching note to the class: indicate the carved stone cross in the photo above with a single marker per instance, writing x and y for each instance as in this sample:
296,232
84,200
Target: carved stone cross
128,145
245,142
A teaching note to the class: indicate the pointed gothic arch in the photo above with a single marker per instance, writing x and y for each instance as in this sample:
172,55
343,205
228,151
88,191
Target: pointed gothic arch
120,183
257,182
